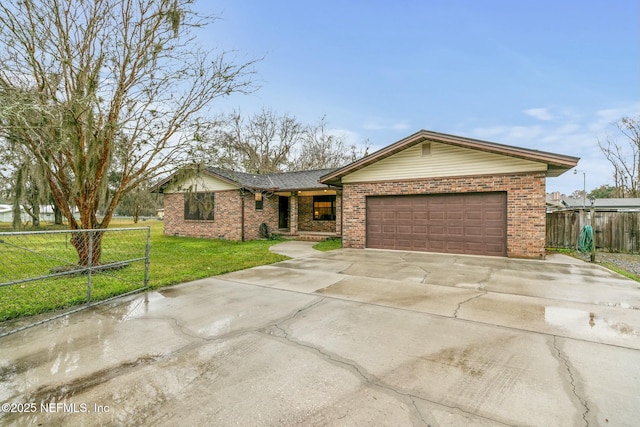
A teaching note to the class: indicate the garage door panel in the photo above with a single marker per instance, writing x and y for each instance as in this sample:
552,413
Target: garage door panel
375,229
473,216
455,247
436,246
454,232
495,248
388,216
494,216
455,216
404,217
473,231
468,223
420,214
435,231
419,245
389,229
494,232
419,229
420,223
436,216
473,247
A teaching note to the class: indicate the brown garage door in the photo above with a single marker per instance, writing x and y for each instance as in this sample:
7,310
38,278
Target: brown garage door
470,223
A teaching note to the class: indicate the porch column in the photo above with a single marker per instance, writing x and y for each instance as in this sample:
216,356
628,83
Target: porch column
293,213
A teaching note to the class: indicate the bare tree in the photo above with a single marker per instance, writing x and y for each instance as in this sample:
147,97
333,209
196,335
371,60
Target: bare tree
267,142
322,149
261,143
625,157
86,83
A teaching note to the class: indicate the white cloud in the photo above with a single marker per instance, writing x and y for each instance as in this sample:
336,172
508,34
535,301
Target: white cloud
350,137
606,117
539,113
566,132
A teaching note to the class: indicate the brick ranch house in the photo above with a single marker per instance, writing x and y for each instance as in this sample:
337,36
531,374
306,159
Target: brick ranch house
289,203
427,192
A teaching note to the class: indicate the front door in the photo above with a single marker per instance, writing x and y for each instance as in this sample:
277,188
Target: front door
283,212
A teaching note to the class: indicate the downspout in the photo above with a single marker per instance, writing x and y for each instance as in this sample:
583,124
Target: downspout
241,217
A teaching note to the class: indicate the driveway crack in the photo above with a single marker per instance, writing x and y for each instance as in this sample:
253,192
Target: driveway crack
455,313
572,381
280,330
415,406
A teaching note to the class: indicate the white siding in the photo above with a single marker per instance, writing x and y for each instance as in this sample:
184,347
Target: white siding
444,160
201,183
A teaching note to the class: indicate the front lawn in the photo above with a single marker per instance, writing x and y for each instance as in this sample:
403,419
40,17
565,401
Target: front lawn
172,260
329,244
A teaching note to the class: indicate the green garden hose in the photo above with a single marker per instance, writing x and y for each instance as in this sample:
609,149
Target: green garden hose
585,239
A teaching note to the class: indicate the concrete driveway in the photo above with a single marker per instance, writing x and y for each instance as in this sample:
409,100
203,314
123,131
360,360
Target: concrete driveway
344,338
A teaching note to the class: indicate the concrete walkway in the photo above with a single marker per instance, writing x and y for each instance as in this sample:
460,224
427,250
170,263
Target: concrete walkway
295,249
346,337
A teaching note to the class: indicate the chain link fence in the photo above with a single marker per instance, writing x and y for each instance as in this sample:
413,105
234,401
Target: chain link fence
43,271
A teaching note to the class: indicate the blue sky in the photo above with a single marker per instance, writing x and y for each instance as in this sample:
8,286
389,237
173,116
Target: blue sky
546,75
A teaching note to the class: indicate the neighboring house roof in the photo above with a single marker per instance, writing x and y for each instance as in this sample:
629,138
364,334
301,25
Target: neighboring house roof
44,209
282,181
556,163
613,204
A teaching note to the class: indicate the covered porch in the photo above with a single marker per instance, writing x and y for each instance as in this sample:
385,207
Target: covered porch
310,214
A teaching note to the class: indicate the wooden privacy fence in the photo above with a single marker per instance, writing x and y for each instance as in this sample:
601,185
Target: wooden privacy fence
614,231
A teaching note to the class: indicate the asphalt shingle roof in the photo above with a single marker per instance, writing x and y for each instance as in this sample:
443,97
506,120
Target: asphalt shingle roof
284,181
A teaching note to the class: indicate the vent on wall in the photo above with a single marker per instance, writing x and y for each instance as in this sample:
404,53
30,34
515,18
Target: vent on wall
426,149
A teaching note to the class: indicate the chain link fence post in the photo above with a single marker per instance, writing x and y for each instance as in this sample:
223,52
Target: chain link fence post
89,266
146,258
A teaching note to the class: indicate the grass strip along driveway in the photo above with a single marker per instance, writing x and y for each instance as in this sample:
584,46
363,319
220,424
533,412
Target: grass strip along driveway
172,260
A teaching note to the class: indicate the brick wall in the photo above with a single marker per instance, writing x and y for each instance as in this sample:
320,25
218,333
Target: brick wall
305,217
525,206
253,218
227,220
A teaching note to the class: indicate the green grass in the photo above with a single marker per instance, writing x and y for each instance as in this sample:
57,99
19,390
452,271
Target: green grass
564,251
625,273
329,244
179,259
172,260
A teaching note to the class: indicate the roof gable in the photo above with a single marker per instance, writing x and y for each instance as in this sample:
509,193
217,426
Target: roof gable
202,181
556,164
435,160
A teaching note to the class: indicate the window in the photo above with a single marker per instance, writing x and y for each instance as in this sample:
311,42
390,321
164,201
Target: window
259,202
198,206
324,208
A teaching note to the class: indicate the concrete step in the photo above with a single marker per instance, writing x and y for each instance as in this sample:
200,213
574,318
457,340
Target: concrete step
315,237
312,237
